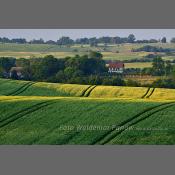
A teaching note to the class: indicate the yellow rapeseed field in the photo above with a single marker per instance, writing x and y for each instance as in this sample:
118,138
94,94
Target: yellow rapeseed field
118,91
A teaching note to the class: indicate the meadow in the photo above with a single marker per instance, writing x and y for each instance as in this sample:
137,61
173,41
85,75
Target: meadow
48,113
110,52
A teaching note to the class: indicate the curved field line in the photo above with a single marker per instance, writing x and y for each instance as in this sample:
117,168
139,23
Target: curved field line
139,120
24,112
151,93
24,89
17,90
66,121
11,93
83,93
107,134
16,98
146,93
89,92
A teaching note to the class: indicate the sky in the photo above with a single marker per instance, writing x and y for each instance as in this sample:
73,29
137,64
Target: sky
55,34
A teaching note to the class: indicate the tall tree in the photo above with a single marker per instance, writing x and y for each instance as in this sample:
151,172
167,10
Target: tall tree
158,66
163,40
6,63
173,40
131,38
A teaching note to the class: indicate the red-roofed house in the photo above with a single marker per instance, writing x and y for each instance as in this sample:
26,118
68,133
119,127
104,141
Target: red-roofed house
117,67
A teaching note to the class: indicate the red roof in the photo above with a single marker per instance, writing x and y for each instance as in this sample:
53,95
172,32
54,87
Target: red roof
116,65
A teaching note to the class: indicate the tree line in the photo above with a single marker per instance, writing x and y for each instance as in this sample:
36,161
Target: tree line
93,41
87,69
149,48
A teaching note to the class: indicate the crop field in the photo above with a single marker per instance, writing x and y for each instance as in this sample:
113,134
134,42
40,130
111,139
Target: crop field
48,113
143,80
36,54
111,52
138,65
27,88
12,47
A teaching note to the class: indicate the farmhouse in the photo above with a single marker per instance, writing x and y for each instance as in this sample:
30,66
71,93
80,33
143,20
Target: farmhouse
116,67
17,70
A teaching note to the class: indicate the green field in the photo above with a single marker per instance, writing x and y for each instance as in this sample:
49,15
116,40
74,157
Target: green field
47,113
112,52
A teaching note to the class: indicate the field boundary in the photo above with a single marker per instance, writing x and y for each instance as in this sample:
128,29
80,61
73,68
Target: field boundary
16,98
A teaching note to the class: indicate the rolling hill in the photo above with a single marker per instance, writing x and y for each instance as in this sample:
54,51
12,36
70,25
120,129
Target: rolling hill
48,113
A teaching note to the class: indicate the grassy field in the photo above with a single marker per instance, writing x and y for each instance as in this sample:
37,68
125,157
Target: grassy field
138,65
111,52
12,47
46,113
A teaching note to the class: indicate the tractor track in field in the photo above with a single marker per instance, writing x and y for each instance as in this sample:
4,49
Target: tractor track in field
125,124
24,89
84,91
20,89
141,119
151,93
66,140
146,93
90,90
13,117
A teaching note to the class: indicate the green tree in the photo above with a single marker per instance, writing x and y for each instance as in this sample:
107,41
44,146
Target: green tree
163,40
158,66
172,40
69,72
43,68
65,41
6,63
94,54
113,81
1,72
131,38
60,77
94,80
173,73
168,68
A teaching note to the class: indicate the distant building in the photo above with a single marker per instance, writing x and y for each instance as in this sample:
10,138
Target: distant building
18,71
116,67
